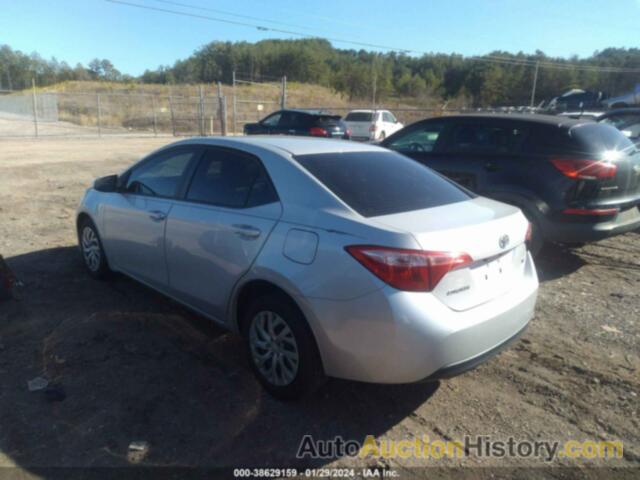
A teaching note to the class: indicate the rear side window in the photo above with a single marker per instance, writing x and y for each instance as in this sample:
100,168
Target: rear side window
486,138
232,179
381,183
160,176
294,119
358,117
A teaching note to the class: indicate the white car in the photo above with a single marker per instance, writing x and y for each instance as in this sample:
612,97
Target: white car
371,125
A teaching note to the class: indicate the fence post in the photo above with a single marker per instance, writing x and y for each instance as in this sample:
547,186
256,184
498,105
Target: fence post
222,111
235,107
283,96
99,115
35,106
201,120
155,115
173,121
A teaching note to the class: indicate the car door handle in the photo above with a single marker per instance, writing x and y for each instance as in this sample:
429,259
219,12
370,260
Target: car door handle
157,215
247,231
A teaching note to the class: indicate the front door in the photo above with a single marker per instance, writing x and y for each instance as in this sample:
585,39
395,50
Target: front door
134,221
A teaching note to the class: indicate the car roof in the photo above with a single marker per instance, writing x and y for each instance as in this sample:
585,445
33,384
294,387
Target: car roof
308,111
520,117
360,110
286,143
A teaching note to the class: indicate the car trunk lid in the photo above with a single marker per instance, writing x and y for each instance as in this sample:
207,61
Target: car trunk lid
491,233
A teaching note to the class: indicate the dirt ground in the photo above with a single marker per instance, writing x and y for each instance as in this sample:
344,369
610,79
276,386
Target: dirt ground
128,365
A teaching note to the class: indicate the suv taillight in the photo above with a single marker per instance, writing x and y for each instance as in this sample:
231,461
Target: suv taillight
372,128
409,270
318,132
585,169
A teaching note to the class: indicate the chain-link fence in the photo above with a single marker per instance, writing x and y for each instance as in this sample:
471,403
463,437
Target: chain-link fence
97,114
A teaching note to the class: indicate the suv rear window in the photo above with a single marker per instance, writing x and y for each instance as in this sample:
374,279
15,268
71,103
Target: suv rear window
358,117
381,183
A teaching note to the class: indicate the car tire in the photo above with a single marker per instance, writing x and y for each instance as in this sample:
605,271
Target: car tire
93,256
281,347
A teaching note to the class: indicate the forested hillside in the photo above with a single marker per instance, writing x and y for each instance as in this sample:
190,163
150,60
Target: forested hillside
499,78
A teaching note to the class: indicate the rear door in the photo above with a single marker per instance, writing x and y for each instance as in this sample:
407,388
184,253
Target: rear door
216,231
135,219
482,155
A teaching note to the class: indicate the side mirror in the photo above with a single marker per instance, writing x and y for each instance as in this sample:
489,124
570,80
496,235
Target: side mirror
106,184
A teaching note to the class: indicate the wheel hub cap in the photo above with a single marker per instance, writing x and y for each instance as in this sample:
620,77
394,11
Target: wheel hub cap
273,348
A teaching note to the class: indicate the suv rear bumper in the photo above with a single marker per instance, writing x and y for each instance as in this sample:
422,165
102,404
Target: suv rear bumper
576,232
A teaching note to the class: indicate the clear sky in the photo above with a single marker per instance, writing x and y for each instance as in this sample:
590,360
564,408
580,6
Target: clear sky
135,39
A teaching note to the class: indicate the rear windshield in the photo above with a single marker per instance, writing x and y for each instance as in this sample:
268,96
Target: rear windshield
329,119
381,183
358,117
598,138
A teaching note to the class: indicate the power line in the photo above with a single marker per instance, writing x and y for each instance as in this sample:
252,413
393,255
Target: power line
486,58
224,12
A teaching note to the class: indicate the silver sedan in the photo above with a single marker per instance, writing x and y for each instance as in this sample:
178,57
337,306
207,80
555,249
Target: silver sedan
331,258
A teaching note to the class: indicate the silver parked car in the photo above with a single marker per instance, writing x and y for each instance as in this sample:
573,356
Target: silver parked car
332,258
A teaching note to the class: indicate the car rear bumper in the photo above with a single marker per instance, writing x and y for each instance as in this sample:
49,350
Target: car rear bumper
391,336
577,232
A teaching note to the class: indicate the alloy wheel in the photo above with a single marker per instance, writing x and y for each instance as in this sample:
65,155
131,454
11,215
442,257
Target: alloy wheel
274,349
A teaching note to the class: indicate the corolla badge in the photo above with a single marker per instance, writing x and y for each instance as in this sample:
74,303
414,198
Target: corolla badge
503,241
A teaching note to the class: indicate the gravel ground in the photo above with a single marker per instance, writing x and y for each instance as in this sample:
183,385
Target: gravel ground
128,365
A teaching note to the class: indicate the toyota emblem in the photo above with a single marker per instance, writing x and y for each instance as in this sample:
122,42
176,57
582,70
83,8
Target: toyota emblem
503,241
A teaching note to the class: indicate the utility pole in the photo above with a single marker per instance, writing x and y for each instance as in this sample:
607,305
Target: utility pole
233,93
535,84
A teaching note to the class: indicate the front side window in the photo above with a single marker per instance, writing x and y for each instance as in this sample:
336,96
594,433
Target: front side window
486,138
381,182
273,120
387,117
231,179
160,176
422,138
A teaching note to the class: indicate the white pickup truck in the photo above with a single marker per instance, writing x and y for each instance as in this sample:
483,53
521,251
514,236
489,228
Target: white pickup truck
371,125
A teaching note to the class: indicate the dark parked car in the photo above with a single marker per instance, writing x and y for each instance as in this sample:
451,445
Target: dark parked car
575,181
308,123
627,120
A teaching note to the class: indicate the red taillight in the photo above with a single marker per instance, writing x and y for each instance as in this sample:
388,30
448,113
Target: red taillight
348,132
529,235
598,212
410,270
373,127
318,132
585,169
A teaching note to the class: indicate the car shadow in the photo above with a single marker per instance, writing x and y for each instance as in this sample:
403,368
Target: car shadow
125,364
555,261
